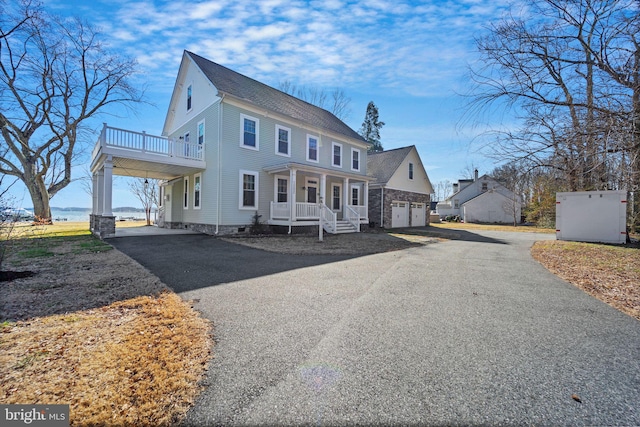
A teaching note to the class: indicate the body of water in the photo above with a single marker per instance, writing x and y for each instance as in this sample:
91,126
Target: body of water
83,215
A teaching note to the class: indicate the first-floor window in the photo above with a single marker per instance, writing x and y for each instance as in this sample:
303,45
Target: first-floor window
248,190
185,201
196,191
282,190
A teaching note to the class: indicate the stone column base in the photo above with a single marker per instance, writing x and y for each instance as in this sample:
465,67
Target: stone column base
102,226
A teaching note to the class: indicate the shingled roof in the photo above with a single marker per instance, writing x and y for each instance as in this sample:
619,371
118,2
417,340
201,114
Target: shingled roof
252,91
382,165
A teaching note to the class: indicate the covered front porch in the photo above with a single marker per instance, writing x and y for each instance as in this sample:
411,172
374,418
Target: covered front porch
307,196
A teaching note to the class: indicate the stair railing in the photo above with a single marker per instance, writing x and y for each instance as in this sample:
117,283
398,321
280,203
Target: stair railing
353,217
329,218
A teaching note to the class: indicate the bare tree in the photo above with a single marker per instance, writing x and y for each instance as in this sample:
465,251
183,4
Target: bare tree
336,101
146,191
571,72
54,75
443,190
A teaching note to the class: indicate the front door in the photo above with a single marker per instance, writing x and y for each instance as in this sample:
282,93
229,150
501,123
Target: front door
312,191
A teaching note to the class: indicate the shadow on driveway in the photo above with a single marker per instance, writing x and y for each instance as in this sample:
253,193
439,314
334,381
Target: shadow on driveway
194,261
451,234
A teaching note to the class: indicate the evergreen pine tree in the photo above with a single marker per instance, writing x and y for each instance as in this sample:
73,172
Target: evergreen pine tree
371,126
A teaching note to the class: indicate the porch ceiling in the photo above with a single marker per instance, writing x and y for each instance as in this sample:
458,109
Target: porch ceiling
149,169
316,170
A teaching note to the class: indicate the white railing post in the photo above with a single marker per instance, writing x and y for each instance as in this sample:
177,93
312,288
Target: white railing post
320,230
144,141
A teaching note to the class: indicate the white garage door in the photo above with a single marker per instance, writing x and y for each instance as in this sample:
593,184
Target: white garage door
418,215
399,214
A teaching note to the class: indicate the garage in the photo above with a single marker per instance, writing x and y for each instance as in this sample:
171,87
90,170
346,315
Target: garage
418,215
399,214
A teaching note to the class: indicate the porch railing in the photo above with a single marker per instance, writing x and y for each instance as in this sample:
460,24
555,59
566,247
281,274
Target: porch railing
279,210
329,218
353,217
307,211
145,143
361,209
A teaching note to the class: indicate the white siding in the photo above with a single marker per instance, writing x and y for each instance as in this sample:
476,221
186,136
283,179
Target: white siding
420,182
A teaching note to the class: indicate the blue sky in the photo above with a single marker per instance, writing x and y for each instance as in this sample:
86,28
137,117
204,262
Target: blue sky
409,57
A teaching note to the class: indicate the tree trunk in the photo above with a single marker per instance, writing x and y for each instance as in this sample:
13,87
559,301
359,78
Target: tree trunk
147,211
40,198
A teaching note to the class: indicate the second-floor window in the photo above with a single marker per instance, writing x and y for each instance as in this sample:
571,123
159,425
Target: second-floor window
249,136
201,132
312,148
337,154
189,98
355,159
283,136
410,170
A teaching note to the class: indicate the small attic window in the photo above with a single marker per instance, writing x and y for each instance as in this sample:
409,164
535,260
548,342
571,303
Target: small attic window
189,98
410,170
485,186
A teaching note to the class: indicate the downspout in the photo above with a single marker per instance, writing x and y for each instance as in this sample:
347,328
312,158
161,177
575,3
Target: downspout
382,207
220,111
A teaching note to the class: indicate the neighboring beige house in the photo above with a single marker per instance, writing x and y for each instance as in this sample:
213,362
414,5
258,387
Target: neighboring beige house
401,191
482,199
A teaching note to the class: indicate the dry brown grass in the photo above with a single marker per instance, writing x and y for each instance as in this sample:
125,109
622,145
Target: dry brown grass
98,332
492,227
609,273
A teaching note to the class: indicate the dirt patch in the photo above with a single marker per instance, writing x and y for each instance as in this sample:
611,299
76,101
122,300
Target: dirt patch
335,244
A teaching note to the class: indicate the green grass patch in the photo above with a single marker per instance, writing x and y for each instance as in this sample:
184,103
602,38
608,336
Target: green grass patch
35,253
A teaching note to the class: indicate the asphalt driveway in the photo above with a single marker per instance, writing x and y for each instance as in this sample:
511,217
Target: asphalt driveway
464,332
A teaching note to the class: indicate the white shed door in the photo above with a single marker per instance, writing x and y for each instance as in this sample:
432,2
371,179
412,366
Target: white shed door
399,214
418,217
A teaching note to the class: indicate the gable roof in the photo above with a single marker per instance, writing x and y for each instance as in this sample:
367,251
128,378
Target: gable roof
382,165
259,94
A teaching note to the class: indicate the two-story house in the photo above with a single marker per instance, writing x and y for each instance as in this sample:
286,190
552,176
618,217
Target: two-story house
233,148
482,199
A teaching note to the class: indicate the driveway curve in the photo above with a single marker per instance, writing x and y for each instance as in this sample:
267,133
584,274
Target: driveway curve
463,332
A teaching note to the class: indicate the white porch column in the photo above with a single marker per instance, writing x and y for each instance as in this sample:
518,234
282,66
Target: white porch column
94,194
323,188
365,199
99,191
292,194
345,197
108,184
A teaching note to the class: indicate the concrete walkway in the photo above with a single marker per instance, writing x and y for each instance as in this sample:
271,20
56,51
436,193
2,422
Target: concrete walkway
464,332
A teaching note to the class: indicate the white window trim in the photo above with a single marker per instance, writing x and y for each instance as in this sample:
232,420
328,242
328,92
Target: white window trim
355,150
339,185
248,147
275,187
189,107
357,187
198,175
288,153
241,175
317,160
204,132
312,182
185,194
333,146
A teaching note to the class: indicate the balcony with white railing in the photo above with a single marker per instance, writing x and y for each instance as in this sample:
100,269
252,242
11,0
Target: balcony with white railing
142,147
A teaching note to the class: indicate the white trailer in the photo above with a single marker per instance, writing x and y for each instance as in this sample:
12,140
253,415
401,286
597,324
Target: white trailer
592,216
